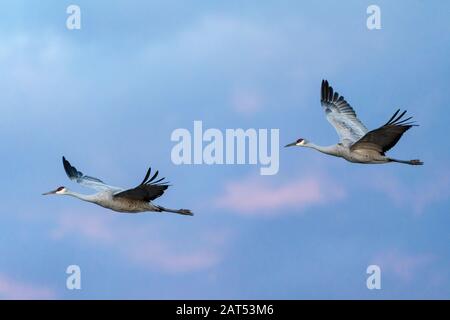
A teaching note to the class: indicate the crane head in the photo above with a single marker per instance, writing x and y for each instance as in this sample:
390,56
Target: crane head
60,190
299,143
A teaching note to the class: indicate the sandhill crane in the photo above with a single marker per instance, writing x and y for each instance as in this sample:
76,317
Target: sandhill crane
357,144
118,199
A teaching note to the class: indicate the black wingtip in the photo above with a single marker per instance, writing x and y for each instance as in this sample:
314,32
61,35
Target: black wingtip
397,120
71,171
146,176
154,176
324,90
394,118
151,181
65,162
67,168
157,181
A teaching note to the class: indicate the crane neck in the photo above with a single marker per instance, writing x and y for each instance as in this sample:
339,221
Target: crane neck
84,197
330,150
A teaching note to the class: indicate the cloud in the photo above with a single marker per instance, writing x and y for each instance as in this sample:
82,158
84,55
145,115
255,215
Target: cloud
402,265
90,227
214,36
31,81
142,245
12,289
246,102
416,196
255,196
164,257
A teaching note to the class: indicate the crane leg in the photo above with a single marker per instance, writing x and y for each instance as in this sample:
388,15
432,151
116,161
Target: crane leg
414,162
185,212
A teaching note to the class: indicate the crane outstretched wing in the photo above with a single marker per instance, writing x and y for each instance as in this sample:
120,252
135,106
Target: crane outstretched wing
148,190
85,180
341,115
386,136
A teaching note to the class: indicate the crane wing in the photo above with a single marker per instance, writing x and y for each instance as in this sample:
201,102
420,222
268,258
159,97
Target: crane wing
386,136
341,115
148,190
85,180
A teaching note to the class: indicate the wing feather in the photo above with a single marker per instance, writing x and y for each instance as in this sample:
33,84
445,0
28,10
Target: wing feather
148,190
87,181
341,115
386,136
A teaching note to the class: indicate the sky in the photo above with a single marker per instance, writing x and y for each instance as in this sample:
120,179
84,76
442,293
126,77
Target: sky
109,95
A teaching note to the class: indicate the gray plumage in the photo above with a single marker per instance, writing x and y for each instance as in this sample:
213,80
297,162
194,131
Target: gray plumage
138,199
357,144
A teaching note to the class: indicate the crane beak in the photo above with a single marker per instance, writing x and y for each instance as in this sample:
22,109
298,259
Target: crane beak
291,144
50,192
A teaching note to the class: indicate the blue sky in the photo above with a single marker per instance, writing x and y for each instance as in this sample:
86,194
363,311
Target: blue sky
108,97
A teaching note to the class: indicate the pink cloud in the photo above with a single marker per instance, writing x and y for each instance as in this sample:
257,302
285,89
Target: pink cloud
256,196
161,256
416,196
91,227
246,102
12,289
179,259
404,266
142,245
